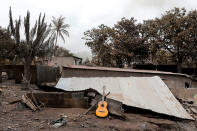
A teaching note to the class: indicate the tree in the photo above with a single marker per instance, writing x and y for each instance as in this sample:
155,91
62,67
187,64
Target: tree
128,42
7,45
36,42
99,41
148,31
169,39
88,62
163,57
60,51
59,28
117,46
190,36
170,31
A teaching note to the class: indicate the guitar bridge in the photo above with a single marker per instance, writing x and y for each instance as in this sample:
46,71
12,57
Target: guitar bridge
102,111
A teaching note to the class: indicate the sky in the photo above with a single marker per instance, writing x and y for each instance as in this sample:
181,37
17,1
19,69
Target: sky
83,15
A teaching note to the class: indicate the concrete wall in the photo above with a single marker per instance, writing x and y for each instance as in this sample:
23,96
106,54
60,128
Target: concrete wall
60,61
184,93
166,68
172,81
39,74
61,100
47,74
16,71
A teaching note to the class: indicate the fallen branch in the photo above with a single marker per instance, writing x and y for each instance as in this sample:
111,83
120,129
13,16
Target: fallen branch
34,100
28,102
16,101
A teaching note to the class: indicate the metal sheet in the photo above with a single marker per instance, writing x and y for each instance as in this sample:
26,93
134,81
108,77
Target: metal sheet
144,92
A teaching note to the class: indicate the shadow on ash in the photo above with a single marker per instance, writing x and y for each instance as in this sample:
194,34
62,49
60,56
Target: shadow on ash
149,93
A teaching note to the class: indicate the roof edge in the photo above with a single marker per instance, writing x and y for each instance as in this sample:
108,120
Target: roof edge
123,70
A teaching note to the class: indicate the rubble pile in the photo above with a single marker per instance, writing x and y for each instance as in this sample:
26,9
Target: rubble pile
190,106
76,110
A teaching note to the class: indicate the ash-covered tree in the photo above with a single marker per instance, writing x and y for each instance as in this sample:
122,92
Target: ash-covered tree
7,46
189,36
61,51
170,33
100,42
166,40
117,46
59,28
149,31
128,42
174,34
36,42
87,62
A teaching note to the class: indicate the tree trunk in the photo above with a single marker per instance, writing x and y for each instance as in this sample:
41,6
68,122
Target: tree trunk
179,60
195,73
27,73
54,50
129,62
179,67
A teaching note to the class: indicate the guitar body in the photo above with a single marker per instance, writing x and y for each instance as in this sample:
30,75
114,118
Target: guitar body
102,111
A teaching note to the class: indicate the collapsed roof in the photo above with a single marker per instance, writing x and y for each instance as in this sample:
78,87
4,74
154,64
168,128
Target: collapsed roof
149,93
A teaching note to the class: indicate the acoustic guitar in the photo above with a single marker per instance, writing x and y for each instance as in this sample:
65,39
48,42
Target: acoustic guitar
101,110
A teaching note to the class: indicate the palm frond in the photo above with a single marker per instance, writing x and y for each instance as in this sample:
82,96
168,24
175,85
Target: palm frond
27,26
65,26
11,23
65,32
62,36
17,30
33,32
55,21
59,28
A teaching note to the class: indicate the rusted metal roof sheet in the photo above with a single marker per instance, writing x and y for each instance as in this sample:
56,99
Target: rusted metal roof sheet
121,70
149,93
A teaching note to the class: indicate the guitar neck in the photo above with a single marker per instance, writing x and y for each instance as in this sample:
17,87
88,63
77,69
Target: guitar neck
103,94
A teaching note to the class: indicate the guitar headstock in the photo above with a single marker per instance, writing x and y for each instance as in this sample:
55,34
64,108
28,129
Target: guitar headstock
104,87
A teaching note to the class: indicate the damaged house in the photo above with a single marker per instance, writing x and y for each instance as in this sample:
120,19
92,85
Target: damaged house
127,91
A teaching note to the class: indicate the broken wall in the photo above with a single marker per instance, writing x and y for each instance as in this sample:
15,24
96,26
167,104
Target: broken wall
39,73
172,81
61,100
47,74
16,71
184,93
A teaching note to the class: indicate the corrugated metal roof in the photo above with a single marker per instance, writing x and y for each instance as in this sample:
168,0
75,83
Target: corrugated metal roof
121,70
143,92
